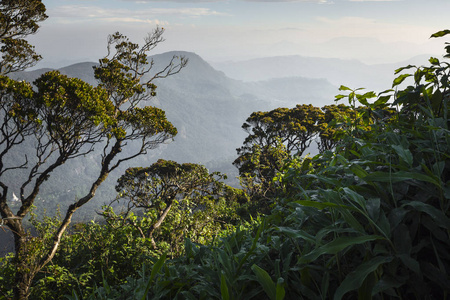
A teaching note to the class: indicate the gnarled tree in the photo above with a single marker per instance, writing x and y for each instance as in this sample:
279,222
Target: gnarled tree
187,193
272,137
63,118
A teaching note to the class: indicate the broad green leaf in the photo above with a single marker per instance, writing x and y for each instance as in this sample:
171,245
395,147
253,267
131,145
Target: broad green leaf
436,99
404,68
402,240
388,282
385,92
438,168
354,280
362,100
440,33
280,291
351,220
224,288
339,97
373,208
156,267
437,215
325,284
324,179
266,282
411,263
296,234
436,276
383,225
336,246
356,198
344,88
399,176
434,61
321,205
188,296
254,243
400,79
369,95
404,154
396,216
382,100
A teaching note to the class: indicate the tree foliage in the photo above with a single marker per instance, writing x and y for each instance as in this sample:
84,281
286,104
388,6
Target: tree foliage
18,19
281,134
186,197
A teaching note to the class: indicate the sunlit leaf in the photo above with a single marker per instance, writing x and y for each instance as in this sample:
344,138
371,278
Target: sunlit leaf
440,33
400,79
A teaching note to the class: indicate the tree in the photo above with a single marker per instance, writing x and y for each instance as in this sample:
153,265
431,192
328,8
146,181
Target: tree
186,196
274,136
19,18
295,128
65,118
332,128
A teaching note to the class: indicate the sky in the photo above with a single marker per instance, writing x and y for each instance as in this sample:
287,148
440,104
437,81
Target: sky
372,31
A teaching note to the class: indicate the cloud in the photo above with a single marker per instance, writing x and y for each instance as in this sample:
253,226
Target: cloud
179,1
305,1
76,13
210,1
374,0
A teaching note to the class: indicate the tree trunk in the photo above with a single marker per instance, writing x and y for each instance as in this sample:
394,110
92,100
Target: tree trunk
158,224
26,270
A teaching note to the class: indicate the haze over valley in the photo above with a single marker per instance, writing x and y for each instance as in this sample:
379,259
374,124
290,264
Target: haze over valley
208,103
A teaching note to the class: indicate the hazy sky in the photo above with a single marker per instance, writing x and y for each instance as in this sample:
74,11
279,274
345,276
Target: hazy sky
374,31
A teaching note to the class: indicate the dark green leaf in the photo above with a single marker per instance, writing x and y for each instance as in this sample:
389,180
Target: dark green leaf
399,176
354,280
297,234
280,293
404,154
156,267
358,170
336,246
321,205
438,216
266,282
224,288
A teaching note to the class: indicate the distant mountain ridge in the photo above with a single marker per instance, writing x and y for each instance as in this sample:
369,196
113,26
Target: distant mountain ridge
351,73
208,109
201,100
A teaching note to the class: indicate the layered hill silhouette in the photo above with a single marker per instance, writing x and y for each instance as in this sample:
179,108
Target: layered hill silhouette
351,73
207,107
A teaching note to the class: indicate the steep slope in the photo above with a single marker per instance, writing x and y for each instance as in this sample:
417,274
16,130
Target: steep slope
206,106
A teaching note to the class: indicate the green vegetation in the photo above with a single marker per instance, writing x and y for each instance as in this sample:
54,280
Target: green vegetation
366,218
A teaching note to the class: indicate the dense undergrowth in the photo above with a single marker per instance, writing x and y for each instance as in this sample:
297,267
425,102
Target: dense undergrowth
368,220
